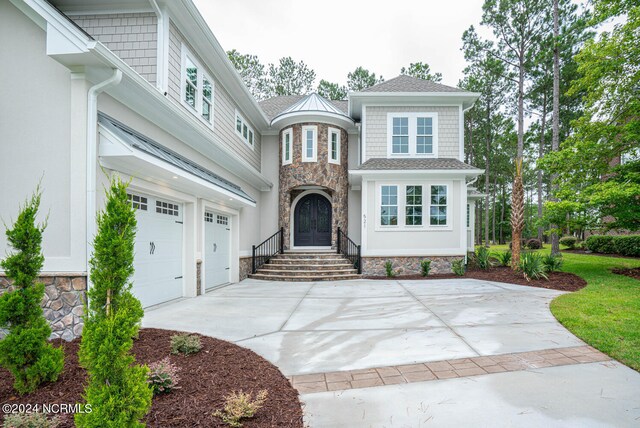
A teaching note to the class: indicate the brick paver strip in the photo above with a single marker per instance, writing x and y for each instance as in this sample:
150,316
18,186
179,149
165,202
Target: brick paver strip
448,369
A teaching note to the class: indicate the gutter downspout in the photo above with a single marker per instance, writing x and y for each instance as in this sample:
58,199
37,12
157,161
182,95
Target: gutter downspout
161,48
92,149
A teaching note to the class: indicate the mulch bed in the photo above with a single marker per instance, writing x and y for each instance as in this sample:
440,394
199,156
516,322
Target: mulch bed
591,253
205,378
631,273
562,281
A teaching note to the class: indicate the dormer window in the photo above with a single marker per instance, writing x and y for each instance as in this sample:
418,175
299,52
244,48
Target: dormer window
197,87
309,144
412,134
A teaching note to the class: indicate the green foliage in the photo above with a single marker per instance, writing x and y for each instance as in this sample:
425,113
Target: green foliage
117,388
252,72
532,266
30,420
163,376
185,344
566,215
534,244
425,267
388,267
240,405
569,241
361,78
332,91
289,78
482,257
25,351
421,70
458,267
623,245
552,263
504,257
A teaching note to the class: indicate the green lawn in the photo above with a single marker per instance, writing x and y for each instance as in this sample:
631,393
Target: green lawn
606,313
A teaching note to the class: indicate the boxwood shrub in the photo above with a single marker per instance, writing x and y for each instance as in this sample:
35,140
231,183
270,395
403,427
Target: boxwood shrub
623,245
569,241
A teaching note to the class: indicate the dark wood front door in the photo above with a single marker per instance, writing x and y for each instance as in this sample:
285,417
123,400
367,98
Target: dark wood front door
312,222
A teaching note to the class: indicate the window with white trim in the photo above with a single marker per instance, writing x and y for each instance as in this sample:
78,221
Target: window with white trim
413,206
438,206
389,205
334,145
244,130
138,202
287,145
412,134
197,86
222,219
167,208
309,144
208,217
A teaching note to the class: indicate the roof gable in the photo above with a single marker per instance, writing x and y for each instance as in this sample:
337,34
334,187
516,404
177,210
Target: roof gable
405,83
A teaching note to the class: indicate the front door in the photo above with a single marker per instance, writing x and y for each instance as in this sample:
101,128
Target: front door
312,222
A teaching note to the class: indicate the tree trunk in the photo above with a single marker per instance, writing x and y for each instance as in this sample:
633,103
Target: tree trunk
504,203
517,215
487,177
543,128
555,140
495,185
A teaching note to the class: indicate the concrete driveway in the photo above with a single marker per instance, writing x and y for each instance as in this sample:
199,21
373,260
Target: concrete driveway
417,353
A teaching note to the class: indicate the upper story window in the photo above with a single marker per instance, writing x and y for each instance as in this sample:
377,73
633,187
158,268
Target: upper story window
197,87
412,134
244,130
334,145
309,144
287,144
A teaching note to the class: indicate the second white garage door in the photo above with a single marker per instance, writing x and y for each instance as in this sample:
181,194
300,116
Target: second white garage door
217,254
158,250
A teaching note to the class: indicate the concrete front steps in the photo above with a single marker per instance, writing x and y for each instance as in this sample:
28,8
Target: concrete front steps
307,266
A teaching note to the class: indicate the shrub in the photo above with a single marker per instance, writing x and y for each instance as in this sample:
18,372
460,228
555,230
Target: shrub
458,267
388,267
504,258
239,406
532,266
628,245
425,267
534,244
185,344
552,263
163,376
25,351
569,241
523,244
482,258
117,388
601,244
30,420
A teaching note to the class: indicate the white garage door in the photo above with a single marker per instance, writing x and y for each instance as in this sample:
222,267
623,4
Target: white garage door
217,255
158,250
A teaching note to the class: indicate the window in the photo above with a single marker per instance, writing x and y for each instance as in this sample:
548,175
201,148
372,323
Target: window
244,130
400,139
221,219
412,134
166,208
413,206
334,145
287,137
309,144
138,202
389,206
197,87
438,209
208,217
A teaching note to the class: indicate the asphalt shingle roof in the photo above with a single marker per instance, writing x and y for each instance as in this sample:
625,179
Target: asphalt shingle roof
404,83
383,164
272,107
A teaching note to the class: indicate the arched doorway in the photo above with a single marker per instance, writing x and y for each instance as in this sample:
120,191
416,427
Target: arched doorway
312,221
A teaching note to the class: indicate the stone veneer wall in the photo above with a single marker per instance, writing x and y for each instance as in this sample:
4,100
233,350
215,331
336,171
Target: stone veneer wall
375,266
245,267
64,298
333,178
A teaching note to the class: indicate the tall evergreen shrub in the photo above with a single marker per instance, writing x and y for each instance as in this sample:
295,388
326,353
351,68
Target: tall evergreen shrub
25,351
118,391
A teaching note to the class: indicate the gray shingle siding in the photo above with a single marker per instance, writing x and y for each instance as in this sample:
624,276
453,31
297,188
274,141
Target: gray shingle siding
131,36
224,107
448,129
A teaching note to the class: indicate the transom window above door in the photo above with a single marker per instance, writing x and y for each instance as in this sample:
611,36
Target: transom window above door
412,134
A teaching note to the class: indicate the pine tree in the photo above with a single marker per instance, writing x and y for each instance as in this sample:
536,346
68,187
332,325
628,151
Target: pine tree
25,351
117,391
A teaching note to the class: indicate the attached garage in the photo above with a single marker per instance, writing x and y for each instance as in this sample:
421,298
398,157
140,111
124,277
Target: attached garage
217,249
158,249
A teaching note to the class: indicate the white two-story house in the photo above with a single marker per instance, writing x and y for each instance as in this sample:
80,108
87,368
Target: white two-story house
144,90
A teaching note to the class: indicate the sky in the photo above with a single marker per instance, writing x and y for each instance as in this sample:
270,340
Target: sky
333,37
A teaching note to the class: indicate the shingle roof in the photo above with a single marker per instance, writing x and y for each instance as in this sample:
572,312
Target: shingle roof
272,107
383,164
404,83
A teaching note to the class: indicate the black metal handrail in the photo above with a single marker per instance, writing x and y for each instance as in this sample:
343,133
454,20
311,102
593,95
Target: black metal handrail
268,248
350,250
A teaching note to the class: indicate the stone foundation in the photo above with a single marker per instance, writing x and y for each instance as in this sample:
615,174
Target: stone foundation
63,302
375,266
245,267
